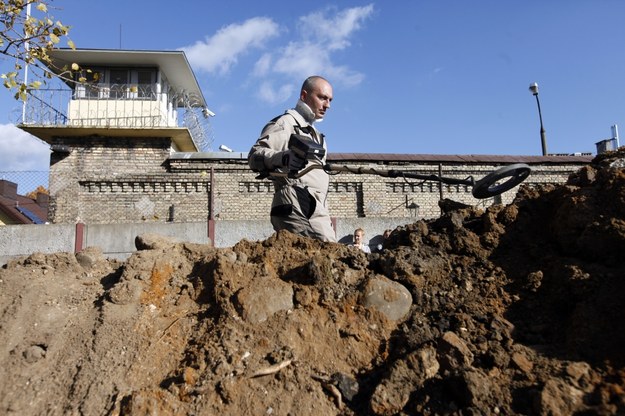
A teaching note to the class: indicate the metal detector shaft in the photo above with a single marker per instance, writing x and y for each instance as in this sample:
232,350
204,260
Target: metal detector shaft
488,186
399,174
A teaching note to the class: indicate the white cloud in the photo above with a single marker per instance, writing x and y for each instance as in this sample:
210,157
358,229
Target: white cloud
309,52
263,65
269,94
19,151
221,51
316,60
321,34
334,31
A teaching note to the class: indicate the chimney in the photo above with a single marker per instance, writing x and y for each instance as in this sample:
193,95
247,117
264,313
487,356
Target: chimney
8,189
43,200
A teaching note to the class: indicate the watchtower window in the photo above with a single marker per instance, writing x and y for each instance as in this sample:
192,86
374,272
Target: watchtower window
94,80
146,78
118,83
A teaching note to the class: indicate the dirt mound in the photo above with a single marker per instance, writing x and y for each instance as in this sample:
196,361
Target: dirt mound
518,309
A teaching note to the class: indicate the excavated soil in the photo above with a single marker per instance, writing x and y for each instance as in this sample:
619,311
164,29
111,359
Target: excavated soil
518,309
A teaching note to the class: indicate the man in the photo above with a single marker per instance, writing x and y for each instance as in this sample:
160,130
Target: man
299,205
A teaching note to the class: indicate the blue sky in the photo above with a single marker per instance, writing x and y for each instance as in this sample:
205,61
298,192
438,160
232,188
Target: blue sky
421,76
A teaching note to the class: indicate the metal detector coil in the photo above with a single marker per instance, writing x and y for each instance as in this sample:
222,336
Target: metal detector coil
491,185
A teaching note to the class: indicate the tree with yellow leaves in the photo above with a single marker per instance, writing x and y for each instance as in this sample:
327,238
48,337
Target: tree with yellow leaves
40,190
28,39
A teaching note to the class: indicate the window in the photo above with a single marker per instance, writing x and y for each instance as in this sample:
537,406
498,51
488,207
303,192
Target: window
117,83
92,88
145,82
118,80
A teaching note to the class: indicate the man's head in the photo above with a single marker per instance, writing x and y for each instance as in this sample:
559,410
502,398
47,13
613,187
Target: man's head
359,235
317,94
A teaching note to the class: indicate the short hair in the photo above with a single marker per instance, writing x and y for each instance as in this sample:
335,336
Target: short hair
310,82
359,229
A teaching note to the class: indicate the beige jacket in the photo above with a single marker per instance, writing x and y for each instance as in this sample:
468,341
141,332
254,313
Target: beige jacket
274,139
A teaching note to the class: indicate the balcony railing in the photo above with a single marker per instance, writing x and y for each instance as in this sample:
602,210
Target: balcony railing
116,106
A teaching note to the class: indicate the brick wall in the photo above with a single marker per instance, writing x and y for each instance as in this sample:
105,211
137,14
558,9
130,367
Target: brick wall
117,180
113,180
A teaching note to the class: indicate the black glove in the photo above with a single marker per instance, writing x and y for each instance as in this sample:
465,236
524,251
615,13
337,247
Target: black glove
293,161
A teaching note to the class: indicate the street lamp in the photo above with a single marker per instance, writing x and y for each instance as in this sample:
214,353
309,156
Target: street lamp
543,140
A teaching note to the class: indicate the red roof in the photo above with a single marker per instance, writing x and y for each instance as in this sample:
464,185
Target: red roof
21,209
464,159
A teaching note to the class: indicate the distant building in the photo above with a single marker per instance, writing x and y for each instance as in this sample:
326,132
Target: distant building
19,209
606,145
610,144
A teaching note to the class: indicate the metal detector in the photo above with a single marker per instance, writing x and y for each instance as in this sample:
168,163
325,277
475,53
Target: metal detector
489,186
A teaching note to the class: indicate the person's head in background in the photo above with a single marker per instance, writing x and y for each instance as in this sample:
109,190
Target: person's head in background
359,236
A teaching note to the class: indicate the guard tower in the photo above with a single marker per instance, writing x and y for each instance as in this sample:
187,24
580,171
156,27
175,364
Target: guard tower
111,136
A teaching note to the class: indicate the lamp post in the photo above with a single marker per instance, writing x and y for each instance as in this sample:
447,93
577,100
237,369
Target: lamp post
543,140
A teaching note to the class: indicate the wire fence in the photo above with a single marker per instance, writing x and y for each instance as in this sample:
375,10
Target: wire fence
27,180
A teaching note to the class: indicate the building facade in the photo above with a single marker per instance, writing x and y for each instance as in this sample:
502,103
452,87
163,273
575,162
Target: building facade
108,180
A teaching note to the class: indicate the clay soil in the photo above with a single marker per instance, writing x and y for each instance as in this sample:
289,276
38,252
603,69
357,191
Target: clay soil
516,309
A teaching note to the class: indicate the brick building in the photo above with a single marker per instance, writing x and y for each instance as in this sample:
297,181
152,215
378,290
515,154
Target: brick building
108,180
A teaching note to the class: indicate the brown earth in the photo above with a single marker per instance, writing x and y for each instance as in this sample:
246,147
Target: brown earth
518,309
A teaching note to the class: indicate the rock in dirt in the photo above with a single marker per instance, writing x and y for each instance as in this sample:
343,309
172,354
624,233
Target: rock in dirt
388,297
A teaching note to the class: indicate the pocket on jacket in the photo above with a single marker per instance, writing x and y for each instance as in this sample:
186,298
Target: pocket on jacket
307,202
282,210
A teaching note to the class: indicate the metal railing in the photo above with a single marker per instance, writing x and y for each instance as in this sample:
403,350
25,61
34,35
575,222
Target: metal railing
117,106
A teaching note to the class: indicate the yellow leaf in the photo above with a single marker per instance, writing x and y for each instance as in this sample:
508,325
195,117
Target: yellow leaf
54,38
75,67
23,96
35,84
71,44
42,7
82,79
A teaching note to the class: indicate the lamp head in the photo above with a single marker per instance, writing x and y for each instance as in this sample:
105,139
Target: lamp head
534,88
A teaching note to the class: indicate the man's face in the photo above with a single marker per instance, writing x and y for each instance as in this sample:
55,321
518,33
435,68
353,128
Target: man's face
319,98
358,237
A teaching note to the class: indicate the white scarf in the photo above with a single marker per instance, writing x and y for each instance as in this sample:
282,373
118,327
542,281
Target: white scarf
306,112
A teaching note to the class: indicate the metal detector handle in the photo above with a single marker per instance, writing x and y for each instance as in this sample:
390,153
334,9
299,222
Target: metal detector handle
488,186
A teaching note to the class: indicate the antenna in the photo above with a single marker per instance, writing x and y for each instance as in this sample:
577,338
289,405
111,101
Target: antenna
120,36
615,134
27,47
